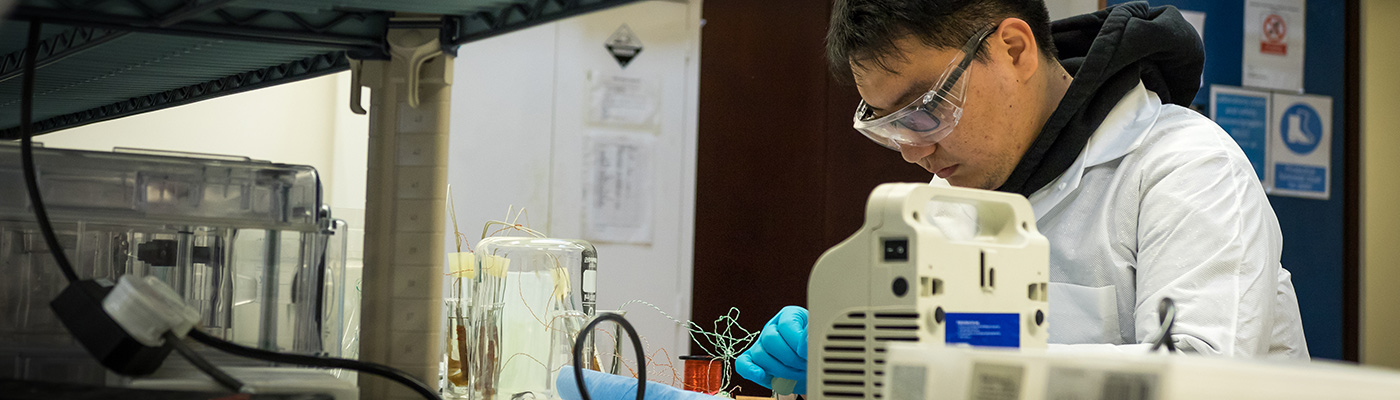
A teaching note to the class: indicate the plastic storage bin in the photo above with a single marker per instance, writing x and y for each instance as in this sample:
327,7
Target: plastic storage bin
247,243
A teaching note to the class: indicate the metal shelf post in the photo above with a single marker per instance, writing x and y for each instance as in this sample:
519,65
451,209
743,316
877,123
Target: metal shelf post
405,209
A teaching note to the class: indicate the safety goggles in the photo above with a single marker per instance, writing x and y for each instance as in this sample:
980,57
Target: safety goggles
931,117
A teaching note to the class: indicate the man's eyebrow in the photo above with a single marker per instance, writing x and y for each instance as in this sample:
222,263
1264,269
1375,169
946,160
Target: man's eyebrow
911,92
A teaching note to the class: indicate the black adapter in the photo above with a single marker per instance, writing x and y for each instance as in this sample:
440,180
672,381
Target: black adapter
79,307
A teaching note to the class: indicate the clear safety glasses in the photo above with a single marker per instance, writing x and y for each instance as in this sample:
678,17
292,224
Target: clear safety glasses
932,116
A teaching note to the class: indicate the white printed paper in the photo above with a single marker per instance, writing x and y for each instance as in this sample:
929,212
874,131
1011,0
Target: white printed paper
1197,20
617,188
1274,43
1300,148
623,101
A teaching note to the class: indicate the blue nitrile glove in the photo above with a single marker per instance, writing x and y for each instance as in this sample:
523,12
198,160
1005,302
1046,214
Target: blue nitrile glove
780,352
605,386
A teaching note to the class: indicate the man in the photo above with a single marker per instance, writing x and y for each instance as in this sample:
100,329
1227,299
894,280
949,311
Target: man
1140,197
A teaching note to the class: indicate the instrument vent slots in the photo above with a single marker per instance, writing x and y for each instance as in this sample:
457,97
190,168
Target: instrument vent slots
854,354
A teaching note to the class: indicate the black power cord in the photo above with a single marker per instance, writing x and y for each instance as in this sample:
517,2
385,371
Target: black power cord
223,378
636,345
326,362
41,215
26,150
1166,315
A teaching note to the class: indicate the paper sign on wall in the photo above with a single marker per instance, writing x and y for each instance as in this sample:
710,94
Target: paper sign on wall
623,101
1197,20
1300,154
617,191
1274,43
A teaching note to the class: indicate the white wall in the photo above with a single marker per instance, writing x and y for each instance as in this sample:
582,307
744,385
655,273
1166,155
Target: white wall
291,123
306,122
1380,156
518,127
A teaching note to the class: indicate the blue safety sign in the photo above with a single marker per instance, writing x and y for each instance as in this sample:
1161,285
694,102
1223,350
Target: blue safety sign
1301,128
1300,157
1244,114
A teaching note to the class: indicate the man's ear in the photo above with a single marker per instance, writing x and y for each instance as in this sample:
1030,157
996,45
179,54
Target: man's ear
1015,42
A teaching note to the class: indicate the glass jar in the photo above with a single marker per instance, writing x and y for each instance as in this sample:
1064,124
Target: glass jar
506,313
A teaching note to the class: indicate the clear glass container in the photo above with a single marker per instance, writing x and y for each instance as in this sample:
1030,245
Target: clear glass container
246,243
522,293
563,332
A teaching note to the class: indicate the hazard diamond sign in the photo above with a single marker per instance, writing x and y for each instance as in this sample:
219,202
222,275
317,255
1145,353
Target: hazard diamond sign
624,45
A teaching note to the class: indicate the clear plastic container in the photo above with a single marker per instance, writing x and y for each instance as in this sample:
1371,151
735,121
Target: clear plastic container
523,295
248,244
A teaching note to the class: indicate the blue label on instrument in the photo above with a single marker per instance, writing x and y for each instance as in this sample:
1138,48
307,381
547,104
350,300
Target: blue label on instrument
995,330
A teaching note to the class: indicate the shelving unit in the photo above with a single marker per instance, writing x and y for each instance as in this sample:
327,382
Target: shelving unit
106,59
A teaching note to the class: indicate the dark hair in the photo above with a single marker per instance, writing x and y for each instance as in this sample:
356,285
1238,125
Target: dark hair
863,32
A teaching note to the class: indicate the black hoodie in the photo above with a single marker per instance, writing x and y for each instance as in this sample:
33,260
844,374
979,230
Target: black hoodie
1109,52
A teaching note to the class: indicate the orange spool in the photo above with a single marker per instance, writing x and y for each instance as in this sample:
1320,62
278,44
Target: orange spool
703,374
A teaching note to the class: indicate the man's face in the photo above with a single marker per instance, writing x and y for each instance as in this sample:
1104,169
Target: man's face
995,128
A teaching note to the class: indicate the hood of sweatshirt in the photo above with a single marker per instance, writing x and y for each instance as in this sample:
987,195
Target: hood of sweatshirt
1108,52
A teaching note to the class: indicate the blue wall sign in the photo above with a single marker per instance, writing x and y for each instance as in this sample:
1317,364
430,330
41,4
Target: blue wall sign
1301,155
1244,114
1301,129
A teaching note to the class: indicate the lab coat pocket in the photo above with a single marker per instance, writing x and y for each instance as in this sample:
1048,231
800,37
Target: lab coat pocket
1082,314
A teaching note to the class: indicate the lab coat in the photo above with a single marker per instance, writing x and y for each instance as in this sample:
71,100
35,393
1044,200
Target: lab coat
1163,203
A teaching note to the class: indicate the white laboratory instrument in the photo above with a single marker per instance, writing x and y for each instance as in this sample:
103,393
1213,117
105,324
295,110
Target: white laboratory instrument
932,265
247,244
919,371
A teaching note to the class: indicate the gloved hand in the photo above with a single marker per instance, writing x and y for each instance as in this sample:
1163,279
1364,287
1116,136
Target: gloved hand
605,386
781,351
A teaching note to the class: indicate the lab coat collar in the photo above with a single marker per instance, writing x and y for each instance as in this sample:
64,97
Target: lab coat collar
1121,132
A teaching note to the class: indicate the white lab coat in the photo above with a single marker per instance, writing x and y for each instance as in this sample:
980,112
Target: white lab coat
1162,202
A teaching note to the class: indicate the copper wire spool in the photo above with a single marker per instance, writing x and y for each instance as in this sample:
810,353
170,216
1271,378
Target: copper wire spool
703,374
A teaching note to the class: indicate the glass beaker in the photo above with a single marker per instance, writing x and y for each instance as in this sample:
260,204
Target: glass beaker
456,360
521,285
564,329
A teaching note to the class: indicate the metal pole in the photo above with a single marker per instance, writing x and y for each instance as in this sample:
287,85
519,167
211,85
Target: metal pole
272,257
405,209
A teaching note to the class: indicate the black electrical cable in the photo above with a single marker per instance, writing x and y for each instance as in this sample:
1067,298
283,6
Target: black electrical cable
41,215
314,361
223,378
1166,315
636,345
26,150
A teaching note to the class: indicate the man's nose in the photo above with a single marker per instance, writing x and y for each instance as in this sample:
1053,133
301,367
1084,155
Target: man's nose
913,153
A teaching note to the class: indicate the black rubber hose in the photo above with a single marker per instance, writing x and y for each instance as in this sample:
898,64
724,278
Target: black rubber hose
636,345
326,362
26,151
223,378
1166,314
